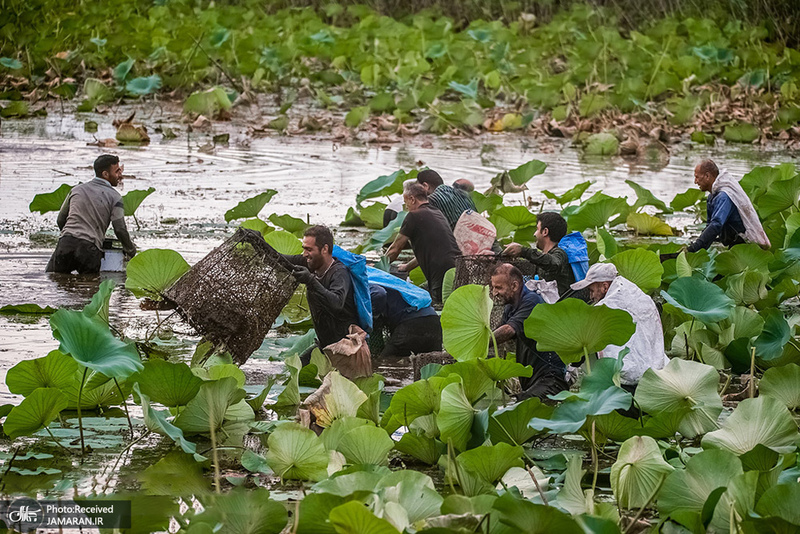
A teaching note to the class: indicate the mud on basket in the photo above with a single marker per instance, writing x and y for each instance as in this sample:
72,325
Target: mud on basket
234,294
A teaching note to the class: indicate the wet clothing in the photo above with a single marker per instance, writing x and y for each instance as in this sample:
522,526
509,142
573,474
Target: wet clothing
724,223
451,202
433,244
549,371
73,254
331,301
83,220
411,330
552,266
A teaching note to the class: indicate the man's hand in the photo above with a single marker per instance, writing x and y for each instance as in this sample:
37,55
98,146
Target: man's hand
303,275
402,267
130,252
513,250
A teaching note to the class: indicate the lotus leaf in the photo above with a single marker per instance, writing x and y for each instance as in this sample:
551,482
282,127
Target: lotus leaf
291,224
96,91
356,116
486,203
354,518
133,199
251,207
571,195
735,502
47,202
455,416
170,384
596,211
207,409
143,85
498,369
208,103
100,302
490,462
89,341
153,271
31,309
56,370
465,322
383,186
337,397
156,421
421,447
686,491
366,444
769,345
682,385
760,179
606,243
699,298
781,383
638,472
700,262
221,370
742,132
447,283
258,225
415,400
645,198
760,421
314,511
686,199
780,196
37,410
518,216
98,391
358,480
741,257
510,424
747,287
176,474
570,416
296,453
381,237
372,216
641,267
476,383
573,328
572,497
780,501
242,511
602,144
524,517
10,63
644,224
412,490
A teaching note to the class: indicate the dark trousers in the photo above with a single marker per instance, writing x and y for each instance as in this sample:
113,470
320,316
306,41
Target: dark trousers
547,384
423,334
73,254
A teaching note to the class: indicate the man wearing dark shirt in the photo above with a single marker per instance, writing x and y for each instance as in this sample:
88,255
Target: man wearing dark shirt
450,201
724,221
411,330
431,239
550,260
549,371
328,285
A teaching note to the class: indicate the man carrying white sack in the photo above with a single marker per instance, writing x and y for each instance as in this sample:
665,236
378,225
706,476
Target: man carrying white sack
732,219
646,344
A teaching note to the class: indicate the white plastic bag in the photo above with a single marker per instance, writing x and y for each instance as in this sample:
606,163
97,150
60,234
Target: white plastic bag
474,234
547,290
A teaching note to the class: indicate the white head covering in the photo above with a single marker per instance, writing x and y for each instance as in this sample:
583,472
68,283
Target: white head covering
599,272
753,231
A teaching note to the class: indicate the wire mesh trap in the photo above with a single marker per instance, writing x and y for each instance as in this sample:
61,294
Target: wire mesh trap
233,295
478,269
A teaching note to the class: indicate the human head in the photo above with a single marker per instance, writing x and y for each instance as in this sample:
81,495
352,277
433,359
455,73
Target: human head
414,195
429,180
464,185
550,228
107,167
317,246
598,280
705,173
506,283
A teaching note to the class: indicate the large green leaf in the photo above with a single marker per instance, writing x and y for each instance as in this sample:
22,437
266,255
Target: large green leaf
602,144
573,328
526,171
686,199
284,242
645,198
640,266
644,224
337,397
156,421
596,211
475,381
421,447
760,421
290,224
699,298
638,472
780,196
296,453
170,384
412,490
465,322
769,344
143,85
510,424
355,518
33,309
455,416
36,411
100,302
251,207
570,416
686,491
381,237
518,216
90,342
571,195
241,511
780,501
747,287
207,409
366,444
290,396
741,257
780,383
682,385
524,517
153,271
383,186
56,370
133,199
46,202
208,102
760,179
490,462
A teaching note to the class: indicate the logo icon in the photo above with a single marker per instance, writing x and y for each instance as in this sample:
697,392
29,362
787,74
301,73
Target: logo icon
24,515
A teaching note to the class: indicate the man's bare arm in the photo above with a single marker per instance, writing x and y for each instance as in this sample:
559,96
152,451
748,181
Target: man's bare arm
504,333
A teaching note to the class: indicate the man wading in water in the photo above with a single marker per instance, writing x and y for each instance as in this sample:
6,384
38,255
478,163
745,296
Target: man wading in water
84,218
329,288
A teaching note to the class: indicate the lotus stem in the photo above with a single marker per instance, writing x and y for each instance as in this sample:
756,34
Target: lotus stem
702,410
451,456
80,415
211,426
296,518
494,344
55,440
538,487
124,405
752,385
595,459
646,504
588,364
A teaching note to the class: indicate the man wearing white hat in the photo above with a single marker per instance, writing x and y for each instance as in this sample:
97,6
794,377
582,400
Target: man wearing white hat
646,345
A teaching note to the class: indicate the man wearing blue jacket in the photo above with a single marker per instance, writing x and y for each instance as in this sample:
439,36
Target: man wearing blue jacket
412,330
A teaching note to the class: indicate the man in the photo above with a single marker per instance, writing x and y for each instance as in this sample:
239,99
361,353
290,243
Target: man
329,288
550,260
731,217
451,202
462,184
431,239
549,371
646,345
411,330
84,219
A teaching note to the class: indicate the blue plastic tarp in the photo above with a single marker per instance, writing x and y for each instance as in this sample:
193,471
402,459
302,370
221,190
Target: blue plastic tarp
575,246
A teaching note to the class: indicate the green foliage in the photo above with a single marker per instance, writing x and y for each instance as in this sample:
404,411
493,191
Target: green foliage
601,144
699,298
641,267
153,271
170,384
465,322
296,453
36,411
250,207
133,199
46,202
638,472
209,103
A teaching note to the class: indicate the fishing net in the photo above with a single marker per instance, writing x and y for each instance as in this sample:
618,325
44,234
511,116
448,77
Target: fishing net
233,295
478,269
